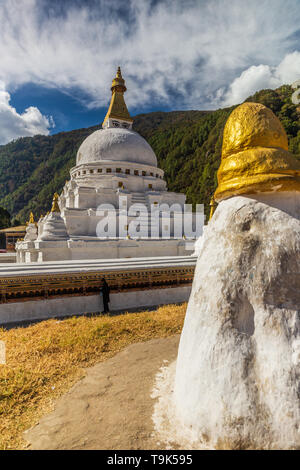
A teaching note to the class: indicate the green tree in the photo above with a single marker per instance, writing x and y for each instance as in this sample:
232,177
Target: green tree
4,218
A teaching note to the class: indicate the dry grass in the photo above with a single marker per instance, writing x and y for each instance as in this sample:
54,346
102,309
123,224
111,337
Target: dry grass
45,359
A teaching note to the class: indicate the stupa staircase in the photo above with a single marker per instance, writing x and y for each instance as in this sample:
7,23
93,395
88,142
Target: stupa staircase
141,201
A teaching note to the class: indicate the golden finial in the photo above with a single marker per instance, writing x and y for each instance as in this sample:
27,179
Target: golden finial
255,156
117,108
118,83
213,206
119,74
31,218
55,206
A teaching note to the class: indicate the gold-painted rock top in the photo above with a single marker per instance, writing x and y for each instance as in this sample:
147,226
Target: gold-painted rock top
255,155
252,125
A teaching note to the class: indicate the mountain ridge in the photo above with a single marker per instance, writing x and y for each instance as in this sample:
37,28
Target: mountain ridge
187,144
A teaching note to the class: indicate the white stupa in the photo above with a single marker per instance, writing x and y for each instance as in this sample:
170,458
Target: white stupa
117,167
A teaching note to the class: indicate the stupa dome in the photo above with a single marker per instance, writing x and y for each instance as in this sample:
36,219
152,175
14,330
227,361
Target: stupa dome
255,155
116,144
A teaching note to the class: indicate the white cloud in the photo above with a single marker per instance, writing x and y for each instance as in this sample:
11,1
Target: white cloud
251,80
177,53
256,78
288,71
13,124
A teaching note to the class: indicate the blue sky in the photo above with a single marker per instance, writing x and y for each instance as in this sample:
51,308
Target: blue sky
58,57
66,109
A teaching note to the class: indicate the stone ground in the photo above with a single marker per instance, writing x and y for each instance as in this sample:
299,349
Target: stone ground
111,407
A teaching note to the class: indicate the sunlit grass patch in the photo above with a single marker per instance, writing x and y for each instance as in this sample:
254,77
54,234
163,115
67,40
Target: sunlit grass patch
45,359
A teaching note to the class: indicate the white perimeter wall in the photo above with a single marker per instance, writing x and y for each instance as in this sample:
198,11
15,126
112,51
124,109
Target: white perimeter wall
69,306
8,257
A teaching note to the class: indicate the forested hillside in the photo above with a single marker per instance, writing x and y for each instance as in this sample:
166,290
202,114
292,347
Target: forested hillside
187,144
4,218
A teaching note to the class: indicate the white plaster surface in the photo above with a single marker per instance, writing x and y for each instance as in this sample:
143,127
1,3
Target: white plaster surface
237,376
97,249
88,265
198,243
168,428
69,306
116,144
49,308
31,232
8,257
54,228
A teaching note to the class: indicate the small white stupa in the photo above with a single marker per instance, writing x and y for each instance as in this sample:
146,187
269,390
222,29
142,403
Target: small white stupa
31,229
237,378
117,168
53,227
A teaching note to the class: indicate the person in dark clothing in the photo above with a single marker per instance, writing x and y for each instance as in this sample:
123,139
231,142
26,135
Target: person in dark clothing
105,295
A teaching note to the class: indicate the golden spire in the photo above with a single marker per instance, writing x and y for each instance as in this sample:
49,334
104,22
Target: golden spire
117,108
255,156
31,218
55,206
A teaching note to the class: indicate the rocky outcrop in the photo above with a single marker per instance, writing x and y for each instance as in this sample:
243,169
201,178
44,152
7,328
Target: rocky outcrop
237,383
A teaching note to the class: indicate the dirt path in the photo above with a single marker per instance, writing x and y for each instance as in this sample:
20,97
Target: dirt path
111,407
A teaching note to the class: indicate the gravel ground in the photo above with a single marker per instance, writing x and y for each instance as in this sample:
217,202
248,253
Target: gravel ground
111,407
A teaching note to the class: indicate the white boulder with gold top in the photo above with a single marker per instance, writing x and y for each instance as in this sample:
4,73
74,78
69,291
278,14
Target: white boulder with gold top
237,380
